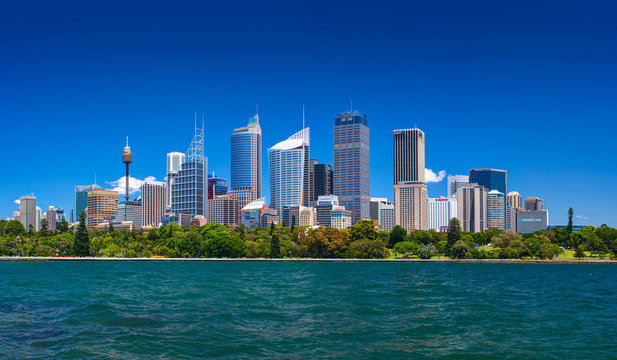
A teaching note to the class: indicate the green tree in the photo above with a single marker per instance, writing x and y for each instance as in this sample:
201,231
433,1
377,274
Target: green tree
271,228
275,247
62,226
506,238
44,225
579,253
81,245
460,250
397,235
324,243
427,251
570,226
454,233
366,249
406,247
363,230
293,223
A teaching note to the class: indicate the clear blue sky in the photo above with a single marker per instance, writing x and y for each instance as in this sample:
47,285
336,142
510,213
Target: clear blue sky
526,86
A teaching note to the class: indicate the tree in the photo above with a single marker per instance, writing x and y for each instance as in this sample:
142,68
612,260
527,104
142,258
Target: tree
324,243
570,216
271,228
275,247
293,223
81,245
460,250
549,250
110,228
366,249
62,226
44,225
397,235
454,233
363,230
505,239
427,251
579,253
406,247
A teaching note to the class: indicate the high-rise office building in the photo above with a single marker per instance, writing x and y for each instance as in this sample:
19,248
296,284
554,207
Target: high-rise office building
472,207
383,211
515,200
495,216
351,152
534,203
410,201
340,218
491,179
325,204
253,212
81,199
225,209
408,155
60,215
189,189
129,211
52,218
102,205
322,179
440,211
216,186
455,182
153,195
245,180
174,163
27,212
39,217
289,179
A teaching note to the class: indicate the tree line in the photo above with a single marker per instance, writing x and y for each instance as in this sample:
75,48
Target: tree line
360,241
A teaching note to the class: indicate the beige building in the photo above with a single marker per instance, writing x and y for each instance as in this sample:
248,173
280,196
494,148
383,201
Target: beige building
152,203
102,205
304,215
472,207
410,201
514,200
224,209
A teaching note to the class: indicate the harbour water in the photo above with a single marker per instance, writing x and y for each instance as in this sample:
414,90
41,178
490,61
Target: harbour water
298,310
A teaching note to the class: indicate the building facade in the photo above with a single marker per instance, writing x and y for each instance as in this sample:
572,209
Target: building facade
351,153
528,221
246,161
472,207
340,218
324,207
252,213
174,163
534,203
410,201
455,182
225,209
408,155
495,216
102,205
27,212
321,180
383,211
129,211
81,199
440,211
153,196
289,165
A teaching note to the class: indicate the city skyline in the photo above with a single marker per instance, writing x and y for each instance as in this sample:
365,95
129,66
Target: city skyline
471,89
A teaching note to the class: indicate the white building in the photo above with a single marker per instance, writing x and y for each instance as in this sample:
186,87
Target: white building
440,211
153,194
340,218
174,163
494,210
288,161
383,211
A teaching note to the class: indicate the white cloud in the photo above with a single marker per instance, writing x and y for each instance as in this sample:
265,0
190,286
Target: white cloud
18,202
431,177
134,184
582,217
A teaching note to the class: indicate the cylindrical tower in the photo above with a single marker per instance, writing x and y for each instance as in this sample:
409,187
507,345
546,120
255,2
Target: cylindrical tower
127,158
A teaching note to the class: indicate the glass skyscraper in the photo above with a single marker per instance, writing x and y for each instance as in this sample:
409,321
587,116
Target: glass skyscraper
492,179
81,198
289,180
351,163
189,190
245,180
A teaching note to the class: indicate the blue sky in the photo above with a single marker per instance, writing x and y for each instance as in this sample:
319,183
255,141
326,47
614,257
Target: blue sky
526,86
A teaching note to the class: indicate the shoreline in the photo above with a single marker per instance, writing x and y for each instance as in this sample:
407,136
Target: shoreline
488,261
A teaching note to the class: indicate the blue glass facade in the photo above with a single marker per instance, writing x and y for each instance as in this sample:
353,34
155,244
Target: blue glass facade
189,189
492,179
241,160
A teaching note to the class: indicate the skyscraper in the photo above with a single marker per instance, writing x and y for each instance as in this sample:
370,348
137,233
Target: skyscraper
174,163
52,219
534,203
27,212
410,201
351,140
102,205
491,179
289,179
225,209
189,189
152,203
472,207
515,200
495,216
129,211
81,198
321,180
216,186
245,180
384,212
455,182
514,203
408,155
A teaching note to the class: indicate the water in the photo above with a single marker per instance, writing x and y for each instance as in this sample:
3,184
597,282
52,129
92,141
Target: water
121,310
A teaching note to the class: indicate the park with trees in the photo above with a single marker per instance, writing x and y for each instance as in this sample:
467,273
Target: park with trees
360,241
